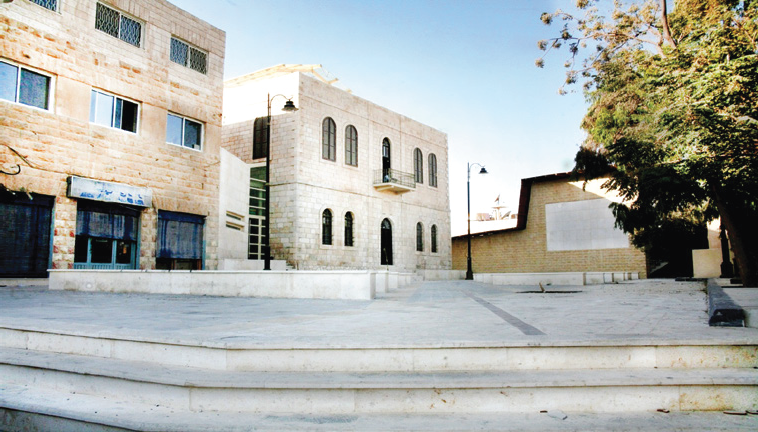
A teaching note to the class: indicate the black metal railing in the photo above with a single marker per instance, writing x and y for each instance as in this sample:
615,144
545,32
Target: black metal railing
389,175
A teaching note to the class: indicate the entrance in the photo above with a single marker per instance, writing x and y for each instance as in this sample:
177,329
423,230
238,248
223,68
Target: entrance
386,242
25,234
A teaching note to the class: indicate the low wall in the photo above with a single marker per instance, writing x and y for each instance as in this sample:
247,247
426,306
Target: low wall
350,285
386,281
575,278
231,264
440,275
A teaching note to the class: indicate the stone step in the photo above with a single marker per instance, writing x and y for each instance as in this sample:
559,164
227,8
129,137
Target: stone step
421,358
195,389
26,409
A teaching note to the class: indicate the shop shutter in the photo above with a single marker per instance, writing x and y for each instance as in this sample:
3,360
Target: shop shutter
180,235
25,234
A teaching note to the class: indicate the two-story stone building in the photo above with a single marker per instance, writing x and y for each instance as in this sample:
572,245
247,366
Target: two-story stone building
109,136
353,184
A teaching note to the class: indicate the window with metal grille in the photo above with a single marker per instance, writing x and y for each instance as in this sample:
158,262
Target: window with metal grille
257,191
47,4
189,56
348,229
329,139
432,170
260,138
112,111
118,25
418,166
434,238
419,237
20,85
255,239
351,145
326,227
184,132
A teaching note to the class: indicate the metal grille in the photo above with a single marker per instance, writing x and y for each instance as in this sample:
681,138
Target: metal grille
48,4
131,31
179,52
107,20
388,175
198,60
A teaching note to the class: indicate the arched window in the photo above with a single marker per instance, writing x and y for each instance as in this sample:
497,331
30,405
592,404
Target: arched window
434,238
260,137
386,160
351,145
326,227
432,170
419,237
418,166
329,139
348,229
386,238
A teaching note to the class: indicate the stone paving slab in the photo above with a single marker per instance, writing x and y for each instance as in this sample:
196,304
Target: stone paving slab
68,415
428,314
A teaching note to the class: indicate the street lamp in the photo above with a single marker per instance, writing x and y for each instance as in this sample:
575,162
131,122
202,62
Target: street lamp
469,271
289,106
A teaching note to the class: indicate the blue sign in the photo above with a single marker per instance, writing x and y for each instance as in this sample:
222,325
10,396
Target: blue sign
97,190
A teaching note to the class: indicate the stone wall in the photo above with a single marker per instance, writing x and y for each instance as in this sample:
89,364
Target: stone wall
526,251
61,142
304,184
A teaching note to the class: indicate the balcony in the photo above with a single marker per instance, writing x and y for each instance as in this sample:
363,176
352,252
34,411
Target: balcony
390,180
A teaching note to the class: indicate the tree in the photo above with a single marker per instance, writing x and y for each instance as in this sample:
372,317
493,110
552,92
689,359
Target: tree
673,116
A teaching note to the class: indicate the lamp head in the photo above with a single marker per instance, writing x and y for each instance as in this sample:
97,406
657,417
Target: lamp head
289,106
483,171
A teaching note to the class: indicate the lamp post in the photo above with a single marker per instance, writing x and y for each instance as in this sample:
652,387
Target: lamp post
289,106
469,271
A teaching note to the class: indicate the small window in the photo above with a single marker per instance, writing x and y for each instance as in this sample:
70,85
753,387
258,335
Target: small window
329,139
348,229
184,132
47,4
419,237
188,56
418,166
112,111
326,227
20,85
260,138
351,145
432,170
118,25
434,238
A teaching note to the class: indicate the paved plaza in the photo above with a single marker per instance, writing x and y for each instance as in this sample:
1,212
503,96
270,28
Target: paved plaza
449,313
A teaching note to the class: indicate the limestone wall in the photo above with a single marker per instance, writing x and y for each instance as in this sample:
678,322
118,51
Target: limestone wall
61,141
526,251
304,184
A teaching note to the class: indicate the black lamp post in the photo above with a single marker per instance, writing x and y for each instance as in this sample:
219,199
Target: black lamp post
469,271
289,106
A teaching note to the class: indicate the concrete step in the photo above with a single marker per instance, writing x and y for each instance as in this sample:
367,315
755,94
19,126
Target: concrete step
420,358
30,410
196,389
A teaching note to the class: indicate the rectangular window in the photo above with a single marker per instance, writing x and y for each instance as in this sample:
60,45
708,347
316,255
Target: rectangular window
257,191
188,56
18,84
112,111
184,132
118,25
47,4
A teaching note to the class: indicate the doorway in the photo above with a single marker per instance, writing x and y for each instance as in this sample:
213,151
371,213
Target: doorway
386,242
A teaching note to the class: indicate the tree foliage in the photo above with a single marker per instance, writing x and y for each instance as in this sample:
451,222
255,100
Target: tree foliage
673,112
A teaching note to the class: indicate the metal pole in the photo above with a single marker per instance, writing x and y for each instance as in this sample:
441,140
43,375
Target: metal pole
267,246
469,271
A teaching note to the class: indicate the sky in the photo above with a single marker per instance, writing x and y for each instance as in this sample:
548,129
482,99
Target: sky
464,67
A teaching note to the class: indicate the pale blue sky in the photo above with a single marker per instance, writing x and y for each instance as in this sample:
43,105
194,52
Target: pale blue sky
465,67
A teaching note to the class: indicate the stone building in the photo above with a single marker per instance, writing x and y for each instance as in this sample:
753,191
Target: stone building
563,226
353,184
110,133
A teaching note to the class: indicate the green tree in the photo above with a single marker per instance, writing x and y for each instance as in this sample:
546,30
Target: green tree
673,116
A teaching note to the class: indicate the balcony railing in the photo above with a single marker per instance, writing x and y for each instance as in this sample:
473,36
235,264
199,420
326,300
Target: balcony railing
391,180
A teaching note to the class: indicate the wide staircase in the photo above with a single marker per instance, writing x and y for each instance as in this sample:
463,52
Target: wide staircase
83,382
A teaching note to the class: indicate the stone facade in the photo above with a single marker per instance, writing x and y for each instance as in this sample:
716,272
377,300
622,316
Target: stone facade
304,184
60,141
525,249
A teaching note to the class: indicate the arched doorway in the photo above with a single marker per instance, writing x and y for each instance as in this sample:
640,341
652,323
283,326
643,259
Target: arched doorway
386,160
386,242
